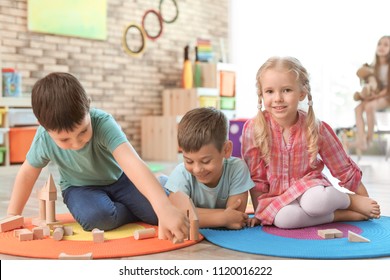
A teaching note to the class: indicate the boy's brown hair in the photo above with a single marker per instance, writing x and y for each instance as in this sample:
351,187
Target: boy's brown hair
59,102
202,126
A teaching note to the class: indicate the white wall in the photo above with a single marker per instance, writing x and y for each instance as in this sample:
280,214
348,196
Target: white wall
331,38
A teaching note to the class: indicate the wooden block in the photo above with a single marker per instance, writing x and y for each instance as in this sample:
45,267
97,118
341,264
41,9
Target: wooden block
48,191
194,221
354,237
144,233
23,234
57,226
337,233
184,202
46,230
11,223
58,233
64,256
50,212
68,230
52,224
37,233
161,235
330,233
194,230
98,235
38,222
26,236
177,241
18,231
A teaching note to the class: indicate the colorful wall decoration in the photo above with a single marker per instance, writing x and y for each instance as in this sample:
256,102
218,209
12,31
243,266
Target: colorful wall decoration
79,18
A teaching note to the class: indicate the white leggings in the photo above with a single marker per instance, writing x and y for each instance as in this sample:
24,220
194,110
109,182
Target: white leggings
314,207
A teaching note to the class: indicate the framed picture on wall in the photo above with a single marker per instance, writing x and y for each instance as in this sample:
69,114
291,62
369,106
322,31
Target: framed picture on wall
78,18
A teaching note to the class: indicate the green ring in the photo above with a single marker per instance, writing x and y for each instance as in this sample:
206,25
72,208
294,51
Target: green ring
177,12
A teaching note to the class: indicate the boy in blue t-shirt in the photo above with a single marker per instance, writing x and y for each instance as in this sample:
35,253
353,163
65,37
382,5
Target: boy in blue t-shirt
217,183
104,182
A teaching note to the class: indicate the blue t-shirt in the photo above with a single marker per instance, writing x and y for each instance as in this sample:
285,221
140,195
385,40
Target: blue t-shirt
235,180
93,165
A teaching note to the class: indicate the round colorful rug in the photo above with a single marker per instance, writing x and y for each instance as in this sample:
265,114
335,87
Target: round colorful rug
118,243
305,243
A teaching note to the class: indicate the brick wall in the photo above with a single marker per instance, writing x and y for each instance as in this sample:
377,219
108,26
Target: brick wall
127,87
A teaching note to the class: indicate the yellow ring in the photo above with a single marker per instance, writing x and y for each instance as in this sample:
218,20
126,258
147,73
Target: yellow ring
124,40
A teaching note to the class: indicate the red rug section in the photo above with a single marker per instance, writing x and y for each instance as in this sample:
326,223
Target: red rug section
48,248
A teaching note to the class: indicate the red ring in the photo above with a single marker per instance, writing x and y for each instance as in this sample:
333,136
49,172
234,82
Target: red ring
160,20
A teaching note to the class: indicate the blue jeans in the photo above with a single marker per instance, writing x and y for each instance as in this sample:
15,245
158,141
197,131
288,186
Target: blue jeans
109,207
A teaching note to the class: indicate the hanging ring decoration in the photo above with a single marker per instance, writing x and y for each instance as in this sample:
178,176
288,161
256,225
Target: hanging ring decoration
177,12
143,40
160,21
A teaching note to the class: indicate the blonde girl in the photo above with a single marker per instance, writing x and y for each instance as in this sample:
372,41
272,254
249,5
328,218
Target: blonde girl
286,150
375,102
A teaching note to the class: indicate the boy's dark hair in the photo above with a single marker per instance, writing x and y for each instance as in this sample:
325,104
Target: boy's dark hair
59,102
202,126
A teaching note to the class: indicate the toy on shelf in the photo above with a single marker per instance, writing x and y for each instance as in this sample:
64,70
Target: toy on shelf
236,127
370,84
198,70
205,50
187,75
12,83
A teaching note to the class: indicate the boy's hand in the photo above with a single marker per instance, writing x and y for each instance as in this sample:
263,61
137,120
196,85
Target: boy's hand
235,219
253,222
173,223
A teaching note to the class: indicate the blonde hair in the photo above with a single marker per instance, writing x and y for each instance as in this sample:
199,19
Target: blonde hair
377,66
261,130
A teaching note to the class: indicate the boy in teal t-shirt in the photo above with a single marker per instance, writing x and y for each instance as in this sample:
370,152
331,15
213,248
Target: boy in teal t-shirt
104,182
217,183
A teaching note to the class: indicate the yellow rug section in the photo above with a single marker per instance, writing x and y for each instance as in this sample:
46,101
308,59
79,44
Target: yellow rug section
122,232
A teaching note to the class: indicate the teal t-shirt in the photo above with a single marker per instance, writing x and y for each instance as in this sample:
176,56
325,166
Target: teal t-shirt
235,179
92,165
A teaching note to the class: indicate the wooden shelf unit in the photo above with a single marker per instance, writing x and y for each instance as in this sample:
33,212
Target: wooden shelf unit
7,103
159,133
